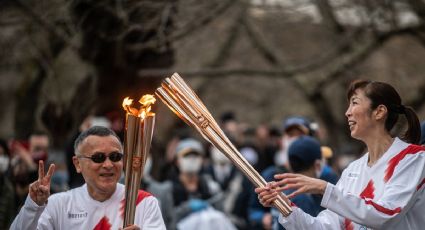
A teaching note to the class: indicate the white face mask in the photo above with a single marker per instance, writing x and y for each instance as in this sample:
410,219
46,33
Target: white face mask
281,157
4,163
218,157
250,155
319,171
190,164
287,141
222,171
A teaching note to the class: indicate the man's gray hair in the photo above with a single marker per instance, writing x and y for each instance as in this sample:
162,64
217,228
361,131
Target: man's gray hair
100,131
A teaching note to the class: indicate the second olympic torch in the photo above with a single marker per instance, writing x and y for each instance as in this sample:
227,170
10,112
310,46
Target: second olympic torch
137,142
183,101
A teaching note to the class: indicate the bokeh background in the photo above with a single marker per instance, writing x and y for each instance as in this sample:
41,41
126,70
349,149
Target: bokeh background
64,63
264,60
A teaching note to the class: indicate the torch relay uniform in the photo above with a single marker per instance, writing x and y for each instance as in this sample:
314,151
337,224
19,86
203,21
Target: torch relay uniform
388,195
75,209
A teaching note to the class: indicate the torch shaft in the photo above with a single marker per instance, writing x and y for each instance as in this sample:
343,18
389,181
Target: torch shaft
135,162
134,126
184,102
247,169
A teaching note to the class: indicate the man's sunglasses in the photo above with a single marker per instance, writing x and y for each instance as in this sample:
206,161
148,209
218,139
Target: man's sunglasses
101,157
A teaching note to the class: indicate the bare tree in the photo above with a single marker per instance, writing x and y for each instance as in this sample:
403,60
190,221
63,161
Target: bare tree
132,43
357,30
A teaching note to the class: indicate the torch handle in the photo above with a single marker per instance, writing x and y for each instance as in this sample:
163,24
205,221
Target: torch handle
135,162
243,165
183,101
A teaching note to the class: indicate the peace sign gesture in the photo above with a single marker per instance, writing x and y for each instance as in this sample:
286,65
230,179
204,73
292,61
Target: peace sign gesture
39,190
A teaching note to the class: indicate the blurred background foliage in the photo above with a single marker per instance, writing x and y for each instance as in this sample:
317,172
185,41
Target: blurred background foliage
62,60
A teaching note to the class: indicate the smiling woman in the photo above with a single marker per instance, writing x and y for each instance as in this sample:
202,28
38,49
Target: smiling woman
384,189
382,99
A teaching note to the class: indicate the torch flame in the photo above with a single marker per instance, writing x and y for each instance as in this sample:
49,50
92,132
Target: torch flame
126,104
146,101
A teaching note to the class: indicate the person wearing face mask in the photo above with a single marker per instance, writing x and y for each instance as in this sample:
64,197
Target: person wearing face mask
260,217
191,191
222,170
293,128
230,180
26,154
305,158
7,197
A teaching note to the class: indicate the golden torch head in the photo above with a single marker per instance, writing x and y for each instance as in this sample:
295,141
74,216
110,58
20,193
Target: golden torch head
138,137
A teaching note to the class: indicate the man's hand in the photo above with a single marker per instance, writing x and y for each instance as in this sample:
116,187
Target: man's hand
39,190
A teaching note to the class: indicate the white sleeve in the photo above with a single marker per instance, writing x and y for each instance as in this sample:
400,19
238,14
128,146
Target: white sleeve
299,220
152,215
400,193
28,216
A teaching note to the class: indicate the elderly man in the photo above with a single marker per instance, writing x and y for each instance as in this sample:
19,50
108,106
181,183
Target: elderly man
95,205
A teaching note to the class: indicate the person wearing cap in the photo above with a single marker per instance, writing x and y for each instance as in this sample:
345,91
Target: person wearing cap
191,191
305,158
384,189
293,127
261,217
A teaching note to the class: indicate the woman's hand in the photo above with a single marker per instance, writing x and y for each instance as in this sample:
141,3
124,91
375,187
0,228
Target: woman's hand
39,190
301,184
269,193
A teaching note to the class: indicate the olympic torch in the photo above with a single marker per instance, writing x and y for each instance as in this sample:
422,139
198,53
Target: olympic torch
139,128
183,101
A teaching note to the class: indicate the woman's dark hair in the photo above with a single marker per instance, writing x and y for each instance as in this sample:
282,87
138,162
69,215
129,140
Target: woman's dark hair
381,93
3,145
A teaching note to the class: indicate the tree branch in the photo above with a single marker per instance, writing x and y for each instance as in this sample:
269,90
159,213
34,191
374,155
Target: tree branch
418,6
328,16
46,24
418,102
226,47
361,50
259,43
185,30
216,72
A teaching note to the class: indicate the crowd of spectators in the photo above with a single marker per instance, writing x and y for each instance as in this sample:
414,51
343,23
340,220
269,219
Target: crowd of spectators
192,179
